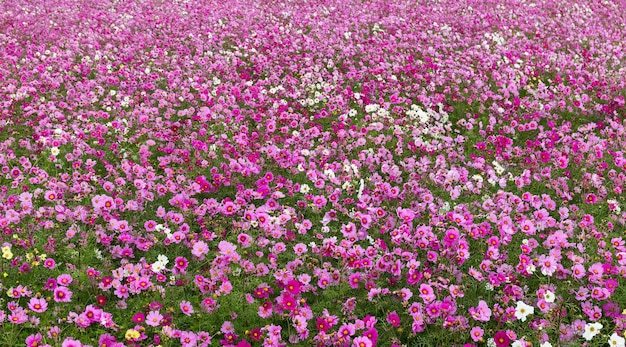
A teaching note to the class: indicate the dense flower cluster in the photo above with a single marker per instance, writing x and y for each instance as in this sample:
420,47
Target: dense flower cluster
331,173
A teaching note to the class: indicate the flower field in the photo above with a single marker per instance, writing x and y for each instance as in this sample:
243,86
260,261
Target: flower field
312,173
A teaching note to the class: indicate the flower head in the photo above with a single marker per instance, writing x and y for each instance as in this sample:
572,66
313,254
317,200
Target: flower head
591,330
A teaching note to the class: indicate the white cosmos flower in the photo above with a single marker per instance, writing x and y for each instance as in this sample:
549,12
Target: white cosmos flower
591,330
157,267
371,108
304,189
163,259
616,341
522,311
548,296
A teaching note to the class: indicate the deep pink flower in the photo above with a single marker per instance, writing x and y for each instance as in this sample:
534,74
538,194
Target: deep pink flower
354,280
501,339
289,303
321,324
181,263
139,318
394,319
293,286
591,198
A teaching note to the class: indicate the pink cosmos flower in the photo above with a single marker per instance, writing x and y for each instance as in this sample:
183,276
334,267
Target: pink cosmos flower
186,307
154,318
188,339
265,310
324,281
482,312
451,237
405,214
229,208
354,280
150,225
139,318
548,265
181,263
54,332
18,316
426,293
372,335
49,263
199,249
38,305
362,341
33,340
64,280
226,248
591,198
62,294
345,331
477,333
107,340
70,342
433,309
245,240
50,195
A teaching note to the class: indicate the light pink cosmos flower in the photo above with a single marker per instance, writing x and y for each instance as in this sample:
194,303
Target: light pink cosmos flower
18,316
64,280
188,339
70,342
407,215
477,333
226,248
362,341
482,312
199,249
548,265
154,318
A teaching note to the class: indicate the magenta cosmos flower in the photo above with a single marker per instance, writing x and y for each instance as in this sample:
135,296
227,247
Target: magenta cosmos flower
393,319
501,339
